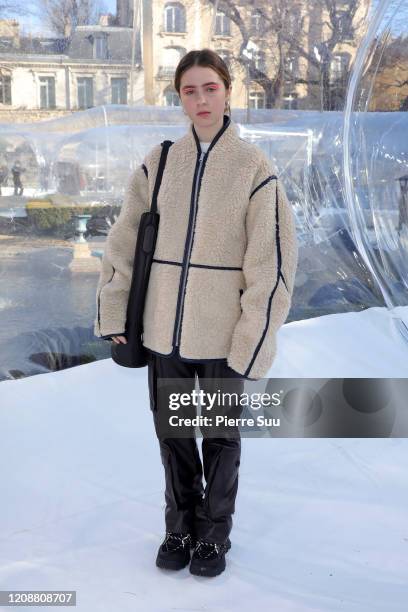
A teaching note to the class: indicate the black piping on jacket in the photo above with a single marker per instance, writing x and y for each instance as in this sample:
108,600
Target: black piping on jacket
192,265
278,278
263,183
185,264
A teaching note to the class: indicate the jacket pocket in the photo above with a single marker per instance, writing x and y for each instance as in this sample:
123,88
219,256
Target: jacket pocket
209,498
211,310
223,482
172,482
241,291
283,280
100,294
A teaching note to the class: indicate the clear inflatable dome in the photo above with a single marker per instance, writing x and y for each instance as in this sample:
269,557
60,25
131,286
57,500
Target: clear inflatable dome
345,174
375,156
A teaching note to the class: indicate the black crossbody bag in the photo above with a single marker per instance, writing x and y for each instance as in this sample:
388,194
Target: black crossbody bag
133,354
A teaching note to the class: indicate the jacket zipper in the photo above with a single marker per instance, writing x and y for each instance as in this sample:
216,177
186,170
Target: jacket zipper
185,270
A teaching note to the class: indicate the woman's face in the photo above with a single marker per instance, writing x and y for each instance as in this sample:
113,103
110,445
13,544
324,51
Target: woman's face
201,89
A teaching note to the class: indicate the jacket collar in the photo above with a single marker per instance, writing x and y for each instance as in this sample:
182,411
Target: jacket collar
224,137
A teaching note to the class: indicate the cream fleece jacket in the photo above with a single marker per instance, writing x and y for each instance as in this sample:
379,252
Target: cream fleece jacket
226,254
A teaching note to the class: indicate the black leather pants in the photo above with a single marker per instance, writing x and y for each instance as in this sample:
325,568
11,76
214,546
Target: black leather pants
206,513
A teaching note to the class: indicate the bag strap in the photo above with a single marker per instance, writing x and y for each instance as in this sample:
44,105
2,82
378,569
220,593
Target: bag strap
166,144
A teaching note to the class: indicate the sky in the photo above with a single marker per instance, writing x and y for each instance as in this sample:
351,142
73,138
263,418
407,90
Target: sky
33,23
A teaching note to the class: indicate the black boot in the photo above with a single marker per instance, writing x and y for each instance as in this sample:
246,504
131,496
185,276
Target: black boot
174,552
209,558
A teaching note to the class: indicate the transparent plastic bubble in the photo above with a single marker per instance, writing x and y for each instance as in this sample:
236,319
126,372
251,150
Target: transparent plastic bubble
376,154
342,170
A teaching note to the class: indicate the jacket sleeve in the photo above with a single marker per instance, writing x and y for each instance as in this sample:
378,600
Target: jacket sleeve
269,267
113,287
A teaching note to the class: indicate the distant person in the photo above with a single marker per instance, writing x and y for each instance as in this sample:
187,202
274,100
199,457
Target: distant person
3,175
16,172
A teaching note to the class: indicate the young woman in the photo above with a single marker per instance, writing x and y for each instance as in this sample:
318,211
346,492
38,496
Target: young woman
219,289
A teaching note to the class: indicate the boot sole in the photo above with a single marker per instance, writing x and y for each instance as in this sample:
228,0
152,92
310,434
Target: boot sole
171,564
210,572
201,570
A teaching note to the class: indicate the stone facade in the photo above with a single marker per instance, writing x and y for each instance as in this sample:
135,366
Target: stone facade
42,78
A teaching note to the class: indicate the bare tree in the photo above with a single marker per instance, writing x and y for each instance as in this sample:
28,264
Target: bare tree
63,16
285,24
388,74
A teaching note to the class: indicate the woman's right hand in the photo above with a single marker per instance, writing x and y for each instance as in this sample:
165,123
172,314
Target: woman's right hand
119,339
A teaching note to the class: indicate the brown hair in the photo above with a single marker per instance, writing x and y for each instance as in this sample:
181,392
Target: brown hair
208,59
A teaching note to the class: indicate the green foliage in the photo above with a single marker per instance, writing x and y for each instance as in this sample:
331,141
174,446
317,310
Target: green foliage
45,218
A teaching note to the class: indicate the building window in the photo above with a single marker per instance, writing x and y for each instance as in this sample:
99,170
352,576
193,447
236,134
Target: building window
256,23
345,25
290,67
293,21
119,90
47,92
5,89
171,98
85,92
5,44
225,55
256,99
222,24
339,67
100,47
259,60
171,58
174,18
47,45
290,101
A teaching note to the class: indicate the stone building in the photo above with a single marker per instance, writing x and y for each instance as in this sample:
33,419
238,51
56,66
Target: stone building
46,77
272,66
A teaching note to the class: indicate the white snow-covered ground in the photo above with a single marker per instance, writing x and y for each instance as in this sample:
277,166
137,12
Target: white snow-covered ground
320,524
